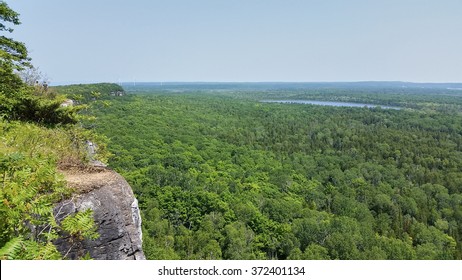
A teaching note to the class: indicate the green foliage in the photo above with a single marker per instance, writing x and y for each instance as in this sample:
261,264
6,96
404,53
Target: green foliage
19,101
39,109
33,250
17,248
30,186
29,154
221,175
11,249
13,54
6,14
81,225
87,92
61,145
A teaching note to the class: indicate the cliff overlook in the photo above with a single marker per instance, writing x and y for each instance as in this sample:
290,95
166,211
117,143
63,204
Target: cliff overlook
58,200
41,131
115,210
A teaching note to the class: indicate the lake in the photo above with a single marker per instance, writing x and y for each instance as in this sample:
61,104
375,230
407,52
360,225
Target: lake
330,103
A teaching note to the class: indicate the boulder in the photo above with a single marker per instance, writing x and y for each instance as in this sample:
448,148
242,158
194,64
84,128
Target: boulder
115,211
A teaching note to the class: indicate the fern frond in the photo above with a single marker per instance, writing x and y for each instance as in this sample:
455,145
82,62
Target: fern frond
37,251
11,249
81,224
42,208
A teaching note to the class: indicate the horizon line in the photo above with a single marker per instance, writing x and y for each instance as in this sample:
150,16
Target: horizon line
62,83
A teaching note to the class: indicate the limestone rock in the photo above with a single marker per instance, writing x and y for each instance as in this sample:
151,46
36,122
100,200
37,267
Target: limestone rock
115,212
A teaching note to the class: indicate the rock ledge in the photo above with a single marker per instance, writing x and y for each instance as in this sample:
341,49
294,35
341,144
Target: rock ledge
116,214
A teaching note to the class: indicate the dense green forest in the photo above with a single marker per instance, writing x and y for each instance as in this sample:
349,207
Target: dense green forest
220,175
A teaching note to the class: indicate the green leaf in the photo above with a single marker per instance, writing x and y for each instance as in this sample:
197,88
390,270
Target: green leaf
11,249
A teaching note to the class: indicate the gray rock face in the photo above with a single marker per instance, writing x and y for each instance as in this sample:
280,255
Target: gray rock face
115,212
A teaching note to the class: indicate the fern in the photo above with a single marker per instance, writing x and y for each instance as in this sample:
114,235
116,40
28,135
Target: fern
30,185
86,257
11,249
81,225
37,251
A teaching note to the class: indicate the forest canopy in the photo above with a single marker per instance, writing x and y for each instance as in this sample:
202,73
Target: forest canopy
220,175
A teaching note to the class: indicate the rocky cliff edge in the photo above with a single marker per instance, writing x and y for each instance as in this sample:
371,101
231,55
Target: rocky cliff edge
116,214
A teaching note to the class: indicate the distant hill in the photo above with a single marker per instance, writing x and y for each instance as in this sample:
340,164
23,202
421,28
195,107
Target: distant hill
85,92
274,86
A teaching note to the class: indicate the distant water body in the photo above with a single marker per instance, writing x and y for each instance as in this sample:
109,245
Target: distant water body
330,103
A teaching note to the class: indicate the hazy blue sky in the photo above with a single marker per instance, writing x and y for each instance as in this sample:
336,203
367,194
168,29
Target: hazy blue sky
243,40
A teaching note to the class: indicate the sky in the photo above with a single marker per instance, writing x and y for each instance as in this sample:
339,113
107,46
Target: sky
243,40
